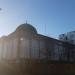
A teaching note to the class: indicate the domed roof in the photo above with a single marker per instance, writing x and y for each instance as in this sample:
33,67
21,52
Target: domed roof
26,27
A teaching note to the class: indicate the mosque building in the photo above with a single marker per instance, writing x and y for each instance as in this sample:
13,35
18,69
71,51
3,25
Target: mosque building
26,44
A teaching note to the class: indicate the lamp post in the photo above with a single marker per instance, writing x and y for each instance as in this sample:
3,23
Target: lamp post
0,9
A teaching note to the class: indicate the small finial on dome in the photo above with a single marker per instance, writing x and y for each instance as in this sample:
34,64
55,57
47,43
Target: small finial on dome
26,21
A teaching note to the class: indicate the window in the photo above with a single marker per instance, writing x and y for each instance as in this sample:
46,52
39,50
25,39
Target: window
72,41
66,38
71,36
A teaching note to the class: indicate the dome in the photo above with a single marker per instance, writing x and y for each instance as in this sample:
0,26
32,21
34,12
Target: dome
27,27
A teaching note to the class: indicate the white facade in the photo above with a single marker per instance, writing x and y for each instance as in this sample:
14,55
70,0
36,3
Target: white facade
68,37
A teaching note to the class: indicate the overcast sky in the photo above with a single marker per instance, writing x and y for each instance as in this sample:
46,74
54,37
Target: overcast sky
58,16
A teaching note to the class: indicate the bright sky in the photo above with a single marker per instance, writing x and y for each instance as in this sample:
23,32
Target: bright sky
58,16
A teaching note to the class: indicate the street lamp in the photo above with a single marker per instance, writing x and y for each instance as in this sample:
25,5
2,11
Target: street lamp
0,9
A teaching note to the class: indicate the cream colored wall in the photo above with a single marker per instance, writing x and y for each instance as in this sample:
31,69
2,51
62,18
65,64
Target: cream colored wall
29,48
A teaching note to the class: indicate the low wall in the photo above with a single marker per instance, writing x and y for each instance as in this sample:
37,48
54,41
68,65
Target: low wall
37,68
